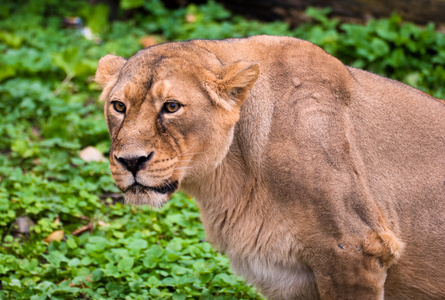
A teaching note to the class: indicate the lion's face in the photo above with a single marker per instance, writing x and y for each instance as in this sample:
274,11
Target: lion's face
169,118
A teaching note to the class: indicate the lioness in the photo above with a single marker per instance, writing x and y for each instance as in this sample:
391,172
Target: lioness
318,180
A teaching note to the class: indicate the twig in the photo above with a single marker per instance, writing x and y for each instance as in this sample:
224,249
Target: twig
63,84
83,229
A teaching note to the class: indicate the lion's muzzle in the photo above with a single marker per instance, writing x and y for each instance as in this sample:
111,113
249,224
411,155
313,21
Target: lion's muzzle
134,163
143,178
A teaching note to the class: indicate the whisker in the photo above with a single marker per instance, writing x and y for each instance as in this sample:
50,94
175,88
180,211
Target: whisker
180,168
183,168
191,146
192,153
183,163
184,153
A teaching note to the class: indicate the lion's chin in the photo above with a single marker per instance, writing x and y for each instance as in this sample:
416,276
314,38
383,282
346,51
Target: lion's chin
153,196
153,199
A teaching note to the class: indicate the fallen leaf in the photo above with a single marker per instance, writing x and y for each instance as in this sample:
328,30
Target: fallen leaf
79,285
55,236
190,18
102,224
22,224
35,132
91,154
148,40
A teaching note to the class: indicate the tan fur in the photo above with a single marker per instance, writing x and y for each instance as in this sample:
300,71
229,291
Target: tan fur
319,181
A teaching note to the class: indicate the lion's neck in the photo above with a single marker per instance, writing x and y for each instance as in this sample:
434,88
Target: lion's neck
241,220
236,209
219,195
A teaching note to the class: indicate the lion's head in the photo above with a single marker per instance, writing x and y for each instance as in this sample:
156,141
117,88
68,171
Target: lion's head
170,111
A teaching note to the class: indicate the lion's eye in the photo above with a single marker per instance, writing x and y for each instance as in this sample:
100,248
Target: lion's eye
119,107
172,106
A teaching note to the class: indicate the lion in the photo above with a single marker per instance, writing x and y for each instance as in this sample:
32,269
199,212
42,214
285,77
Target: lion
317,180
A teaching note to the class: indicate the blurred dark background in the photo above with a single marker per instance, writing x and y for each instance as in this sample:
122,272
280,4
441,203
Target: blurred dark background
292,11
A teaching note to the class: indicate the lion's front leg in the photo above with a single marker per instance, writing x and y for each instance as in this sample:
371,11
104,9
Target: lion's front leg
351,276
348,241
354,268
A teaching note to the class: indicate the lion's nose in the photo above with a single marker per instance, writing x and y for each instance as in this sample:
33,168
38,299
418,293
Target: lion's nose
133,163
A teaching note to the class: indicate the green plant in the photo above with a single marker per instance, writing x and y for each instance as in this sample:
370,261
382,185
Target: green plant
389,47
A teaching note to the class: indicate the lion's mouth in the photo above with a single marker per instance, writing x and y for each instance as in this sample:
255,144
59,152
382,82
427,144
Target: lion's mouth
167,188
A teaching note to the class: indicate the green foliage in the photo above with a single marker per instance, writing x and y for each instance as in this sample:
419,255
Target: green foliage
210,21
133,254
50,112
389,47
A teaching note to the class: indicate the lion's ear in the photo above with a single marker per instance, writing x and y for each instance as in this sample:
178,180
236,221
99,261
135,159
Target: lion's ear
108,68
236,80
